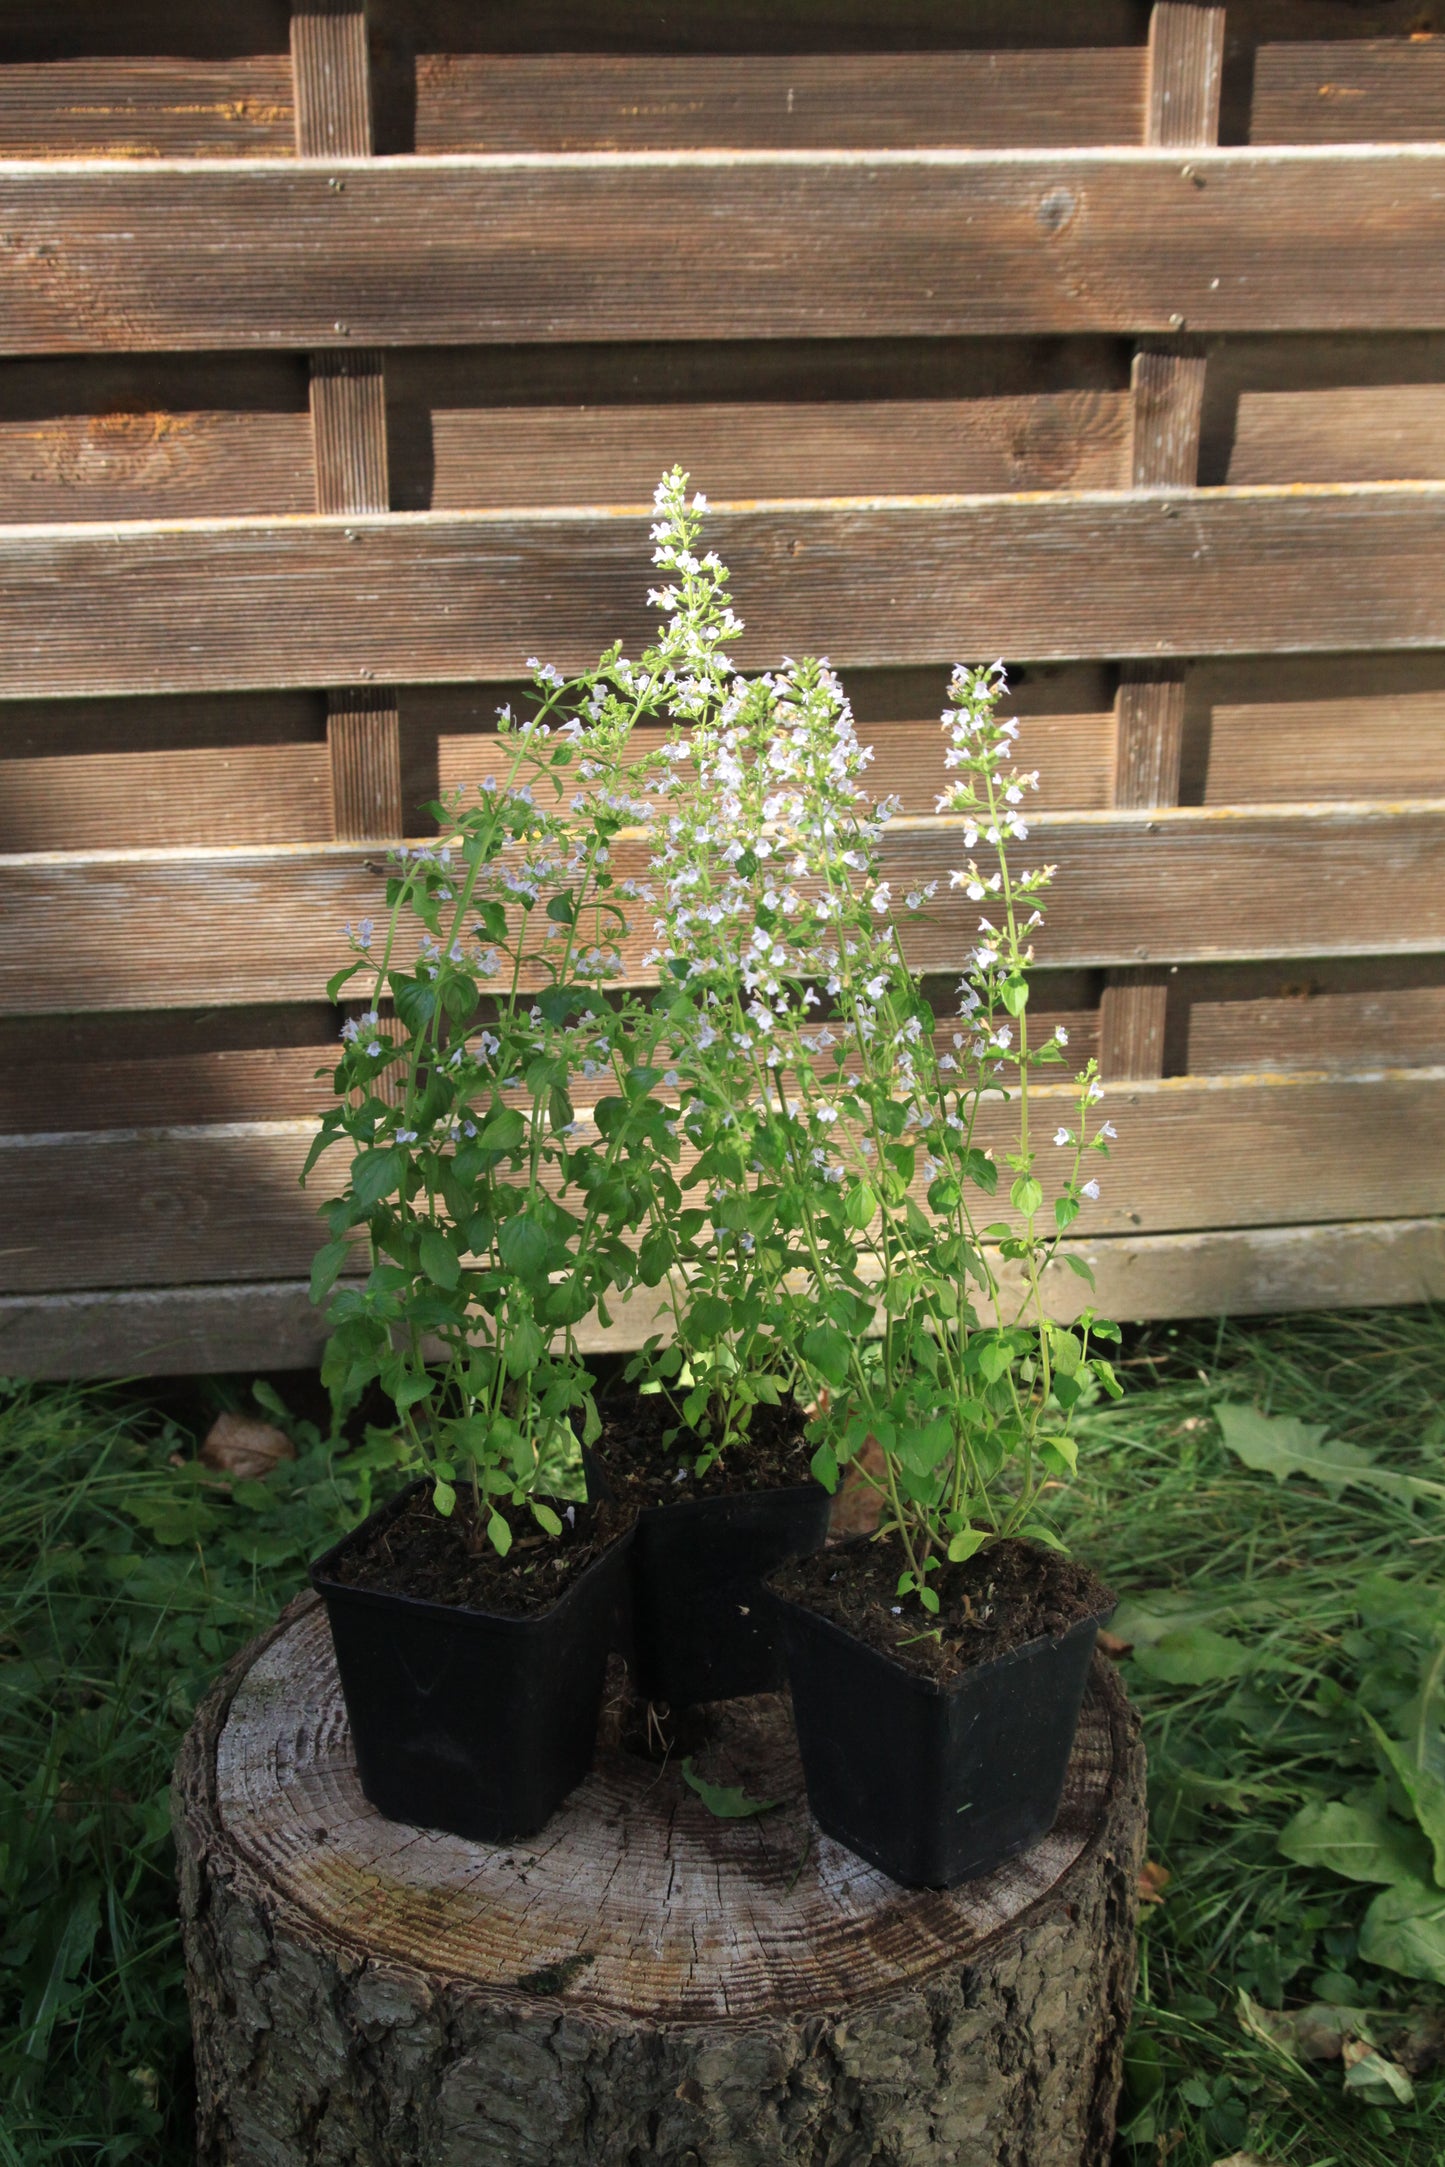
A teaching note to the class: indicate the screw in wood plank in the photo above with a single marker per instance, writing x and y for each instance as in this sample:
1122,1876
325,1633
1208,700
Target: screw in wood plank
1176,322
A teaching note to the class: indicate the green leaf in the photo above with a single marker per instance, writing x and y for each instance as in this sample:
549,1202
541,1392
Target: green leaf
504,1131
408,1389
326,1267
1421,1786
828,1352
1358,1842
439,1259
374,1174
1014,993
728,1802
523,1347
1404,1930
1066,1211
859,1205
500,1534
920,1448
824,1465
708,1316
1066,1350
1194,1656
562,909
523,1245
545,1518
444,1497
1026,1195
965,1543
1282,1445
993,1360
1077,1265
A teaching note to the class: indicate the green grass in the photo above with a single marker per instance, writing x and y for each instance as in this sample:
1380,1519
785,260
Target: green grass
124,1582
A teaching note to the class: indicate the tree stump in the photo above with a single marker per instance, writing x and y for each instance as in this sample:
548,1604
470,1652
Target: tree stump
643,1982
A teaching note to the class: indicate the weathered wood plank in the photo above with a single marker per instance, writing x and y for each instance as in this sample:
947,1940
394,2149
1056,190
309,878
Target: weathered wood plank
1354,433
1185,68
125,800
562,101
272,1325
129,107
1377,90
1318,1029
142,1207
130,465
261,1083
732,244
529,455
1176,885
424,596
1352,745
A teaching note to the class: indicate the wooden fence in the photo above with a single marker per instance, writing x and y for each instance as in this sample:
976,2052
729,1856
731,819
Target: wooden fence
344,350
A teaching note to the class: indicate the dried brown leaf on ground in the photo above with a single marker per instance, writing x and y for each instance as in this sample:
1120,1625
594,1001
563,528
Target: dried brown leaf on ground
239,1446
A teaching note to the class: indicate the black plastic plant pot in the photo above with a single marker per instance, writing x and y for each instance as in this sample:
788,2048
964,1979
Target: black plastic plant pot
700,1624
935,1784
463,1720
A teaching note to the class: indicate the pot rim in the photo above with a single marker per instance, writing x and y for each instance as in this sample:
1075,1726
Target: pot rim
1093,1620
395,1599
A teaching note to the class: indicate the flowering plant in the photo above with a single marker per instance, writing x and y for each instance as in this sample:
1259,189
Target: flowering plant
497,1219
843,1146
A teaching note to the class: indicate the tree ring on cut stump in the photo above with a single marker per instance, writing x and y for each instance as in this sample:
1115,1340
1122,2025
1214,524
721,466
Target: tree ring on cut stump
643,1980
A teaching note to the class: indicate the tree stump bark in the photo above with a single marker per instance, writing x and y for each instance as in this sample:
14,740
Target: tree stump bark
643,1982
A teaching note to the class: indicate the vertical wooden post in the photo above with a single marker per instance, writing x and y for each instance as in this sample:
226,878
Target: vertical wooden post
1186,63
348,409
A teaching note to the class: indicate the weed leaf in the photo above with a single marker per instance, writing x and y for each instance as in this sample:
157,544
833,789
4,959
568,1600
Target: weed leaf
728,1802
1283,1445
1404,1929
1361,1843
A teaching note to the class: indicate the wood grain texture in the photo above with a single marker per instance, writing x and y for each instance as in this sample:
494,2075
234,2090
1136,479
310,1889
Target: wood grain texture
1165,408
749,1991
269,1325
332,89
219,1201
1074,755
421,251
363,736
131,107
265,1083
1376,90
424,596
1185,69
1314,1028
1133,1015
1354,433
559,101
348,421
247,925
134,800
900,447
1345,747
1149,711
130,465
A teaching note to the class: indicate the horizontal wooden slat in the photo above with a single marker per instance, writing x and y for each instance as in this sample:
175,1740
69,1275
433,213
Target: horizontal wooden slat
264,1083
123,107
1260,751
902,447
1073,753
1161,886
1375,90
729,244
141,1207
156,465
274,1326
1318,1030
90,801
1358,433
420,596
763,101
194,722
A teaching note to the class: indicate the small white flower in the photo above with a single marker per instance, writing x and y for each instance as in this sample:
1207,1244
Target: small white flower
1061,1036
1091,1190
406,1136
1064,1136
1107,1128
